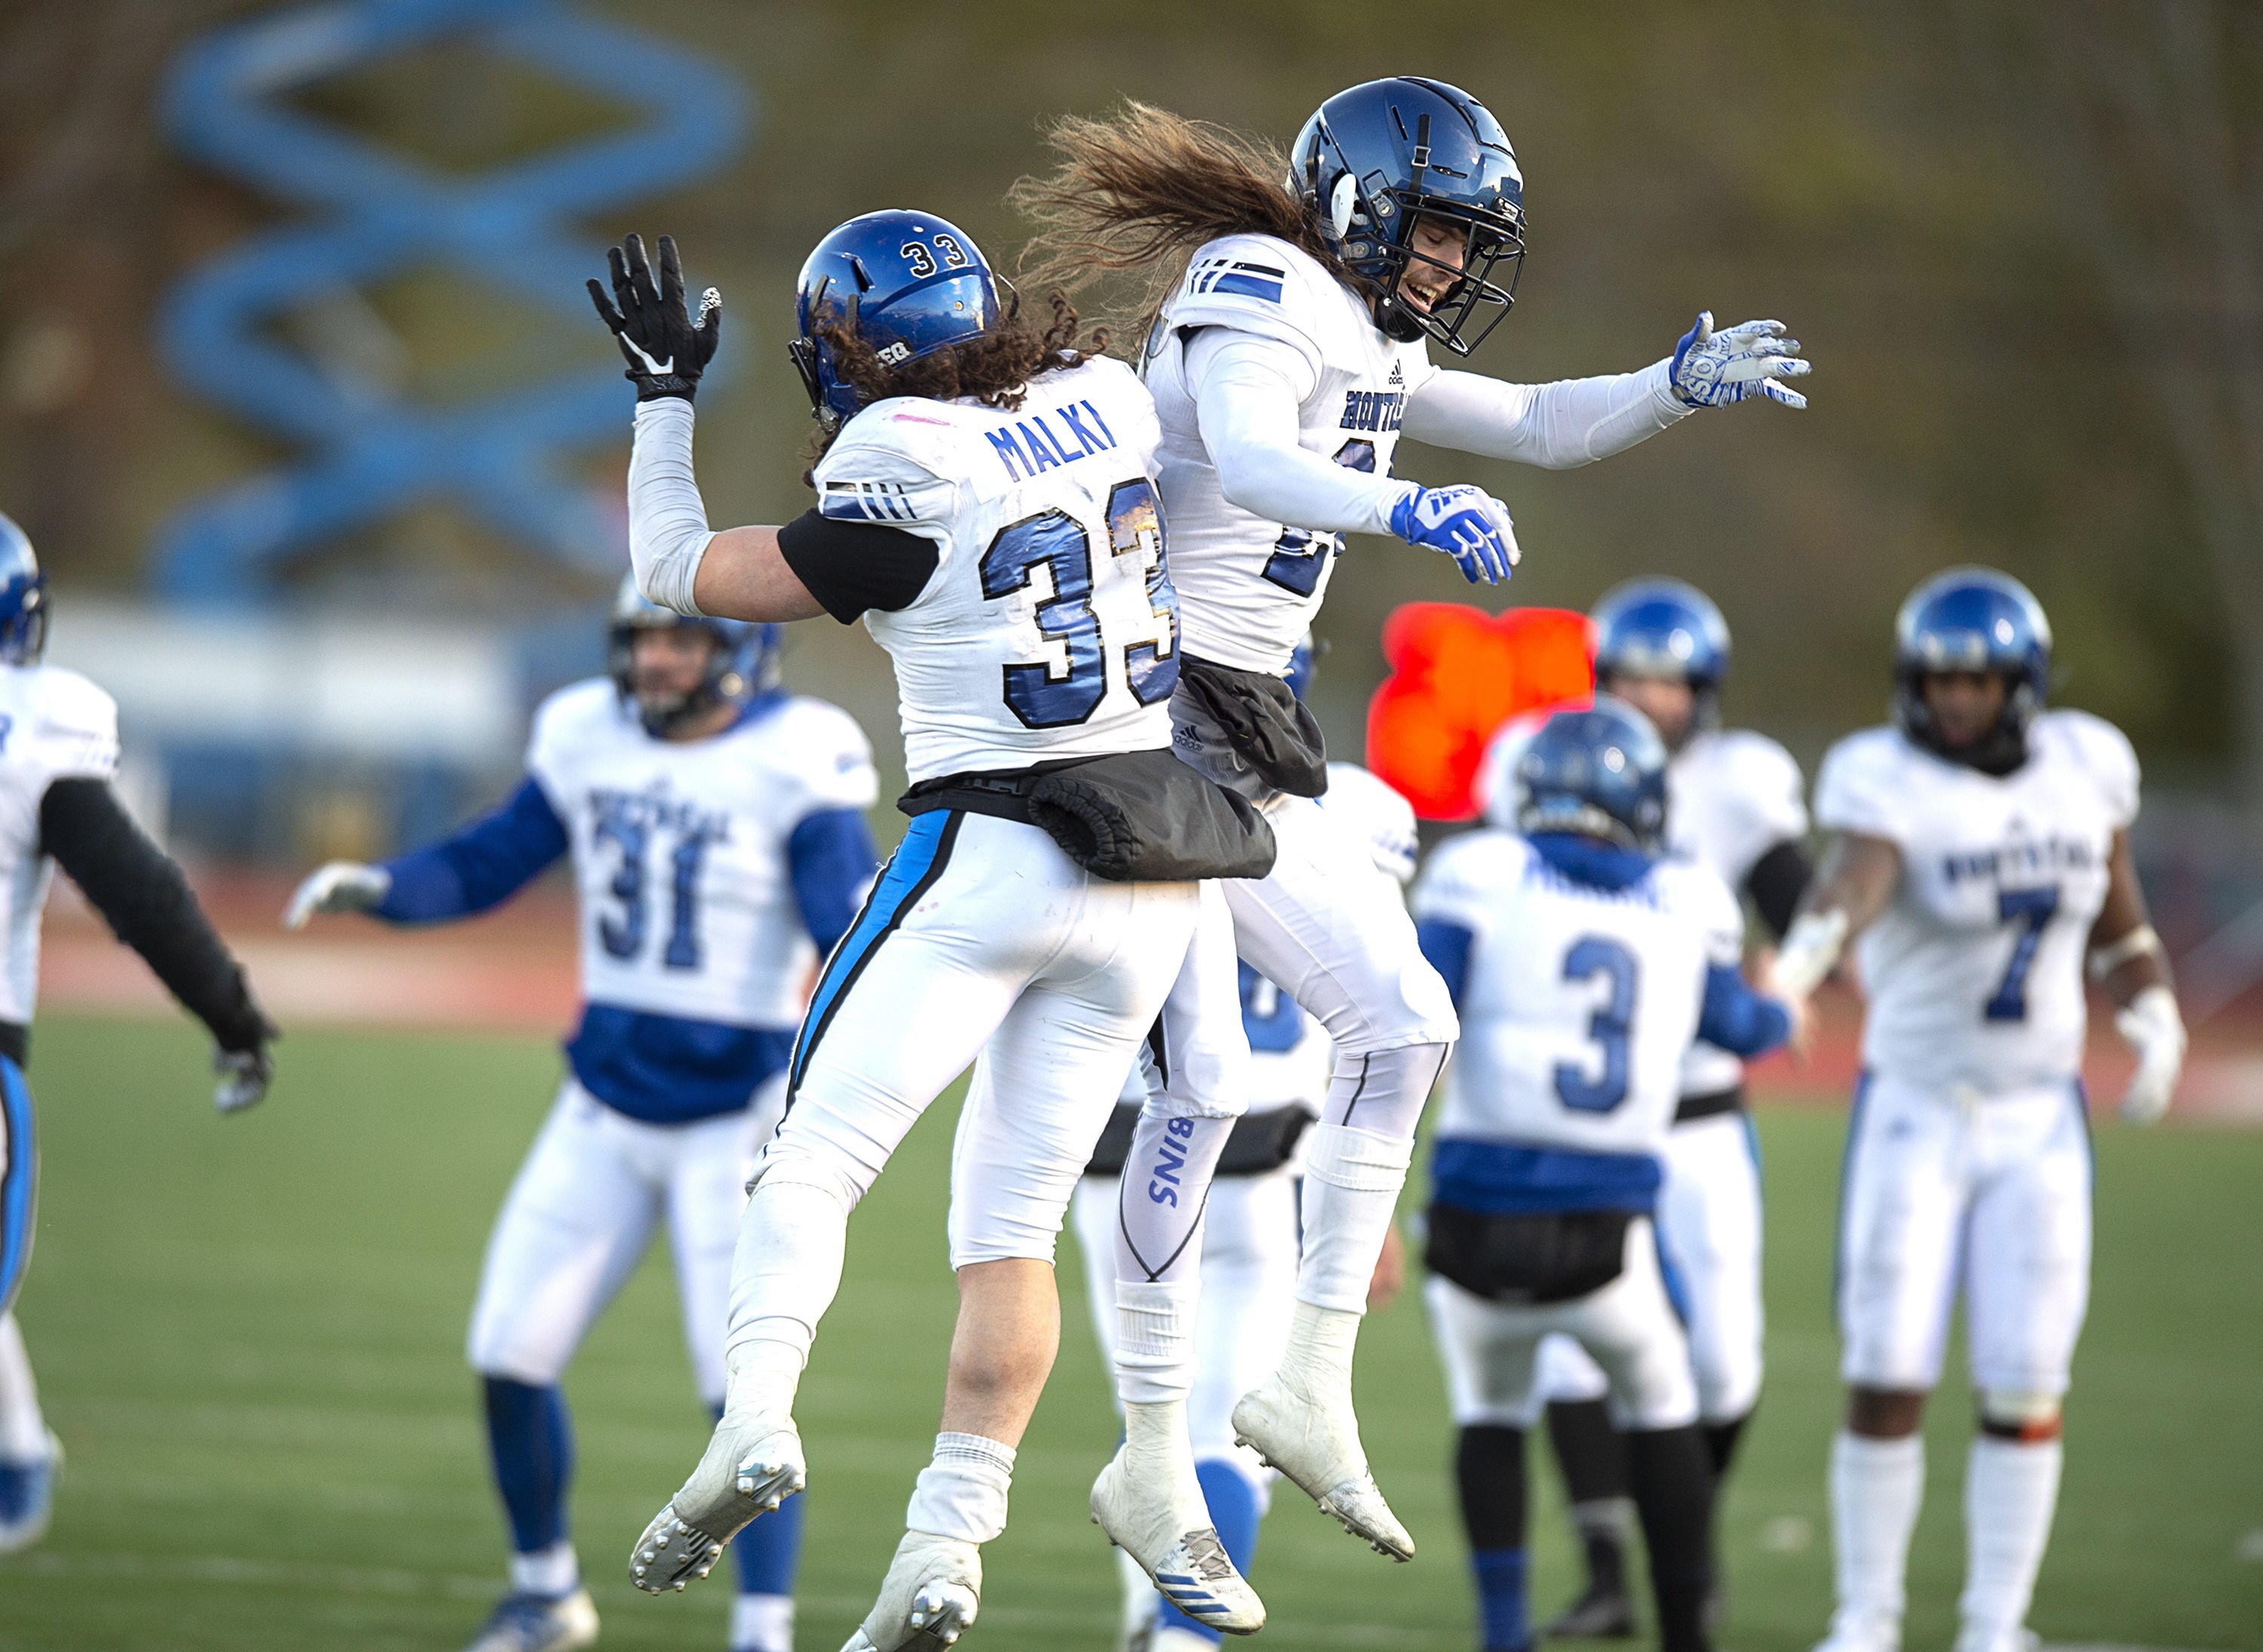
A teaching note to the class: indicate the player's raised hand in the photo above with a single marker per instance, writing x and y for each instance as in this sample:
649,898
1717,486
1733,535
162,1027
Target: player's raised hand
243,1078
342,886
1753,358
1467,524
666,350
2154,1026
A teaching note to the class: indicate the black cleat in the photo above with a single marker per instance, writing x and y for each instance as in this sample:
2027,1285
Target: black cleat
1603,1613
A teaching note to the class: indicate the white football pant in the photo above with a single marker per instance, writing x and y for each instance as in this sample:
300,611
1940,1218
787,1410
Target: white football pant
1709,1221
1248,1272
1490,1350
576,1221
1988,1193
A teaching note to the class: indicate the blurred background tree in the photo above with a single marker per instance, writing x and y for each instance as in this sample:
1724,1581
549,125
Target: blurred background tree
2021,243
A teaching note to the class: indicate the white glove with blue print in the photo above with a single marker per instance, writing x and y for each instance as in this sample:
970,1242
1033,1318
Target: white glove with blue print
1466,523
1752,358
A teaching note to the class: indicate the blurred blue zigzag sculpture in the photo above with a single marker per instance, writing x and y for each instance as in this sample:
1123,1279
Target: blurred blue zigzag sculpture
373,451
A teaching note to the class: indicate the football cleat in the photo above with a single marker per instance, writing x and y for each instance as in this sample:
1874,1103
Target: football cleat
1982,1637
1853,1631
539,1623
1315,1443
751,1465
929,1598
27,1498
1177,1546
1602,1613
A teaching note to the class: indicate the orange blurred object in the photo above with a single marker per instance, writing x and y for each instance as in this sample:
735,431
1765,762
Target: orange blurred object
1457,674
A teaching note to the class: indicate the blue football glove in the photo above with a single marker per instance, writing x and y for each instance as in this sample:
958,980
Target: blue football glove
1466,523
1751,360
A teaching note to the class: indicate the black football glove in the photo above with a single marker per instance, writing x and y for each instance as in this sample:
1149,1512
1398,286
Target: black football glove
665,350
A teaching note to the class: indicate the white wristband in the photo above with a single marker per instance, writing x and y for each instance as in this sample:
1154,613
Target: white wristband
668,523
2139,942
1808,951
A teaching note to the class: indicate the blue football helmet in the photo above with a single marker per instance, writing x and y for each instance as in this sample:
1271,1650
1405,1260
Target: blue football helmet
1973,620
909,283
1600,771
22,598
742,665
1375,158
1664,628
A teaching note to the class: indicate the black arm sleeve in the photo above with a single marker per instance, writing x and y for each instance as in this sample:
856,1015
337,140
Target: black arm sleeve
1776,882
149,906
852,566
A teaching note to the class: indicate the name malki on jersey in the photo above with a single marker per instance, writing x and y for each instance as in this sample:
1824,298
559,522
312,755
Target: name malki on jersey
1042,447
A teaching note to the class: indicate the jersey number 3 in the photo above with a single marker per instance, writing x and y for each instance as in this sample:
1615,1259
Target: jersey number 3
1611,1026
1067,687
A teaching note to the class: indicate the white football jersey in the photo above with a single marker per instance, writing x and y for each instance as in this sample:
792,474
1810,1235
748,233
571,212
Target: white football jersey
1049,628
1974,973
679,848
54,725
1249,585
1579,1003
1732,796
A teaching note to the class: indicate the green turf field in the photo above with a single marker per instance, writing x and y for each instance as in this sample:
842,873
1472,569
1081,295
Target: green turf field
249,1334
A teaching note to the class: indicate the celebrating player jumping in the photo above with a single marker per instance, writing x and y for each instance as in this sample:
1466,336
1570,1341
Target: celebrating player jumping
717,830
1981,852
987,506
1294,298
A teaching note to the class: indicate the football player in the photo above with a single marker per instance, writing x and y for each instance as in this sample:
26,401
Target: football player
58,753
987,507
1248,1235
715,822
1298,297
1980,852
1737,806
1583,963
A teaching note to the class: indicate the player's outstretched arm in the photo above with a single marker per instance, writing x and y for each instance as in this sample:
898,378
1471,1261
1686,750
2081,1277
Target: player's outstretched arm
2127,959
148,905
475,868
1856,883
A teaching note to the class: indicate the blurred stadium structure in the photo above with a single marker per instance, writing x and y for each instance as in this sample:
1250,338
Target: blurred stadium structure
2024,243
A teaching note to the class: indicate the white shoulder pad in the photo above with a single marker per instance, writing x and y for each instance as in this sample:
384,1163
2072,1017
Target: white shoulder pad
567,719
1765,780
1258,285
75,730
892,462
1698,894
1864,785
1464,875
1383,820
2102,751
825,752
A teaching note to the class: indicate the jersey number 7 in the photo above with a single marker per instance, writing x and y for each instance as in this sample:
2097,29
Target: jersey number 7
2032,909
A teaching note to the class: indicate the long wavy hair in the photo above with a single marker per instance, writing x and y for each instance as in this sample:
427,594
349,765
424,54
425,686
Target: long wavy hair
994,369
1136,192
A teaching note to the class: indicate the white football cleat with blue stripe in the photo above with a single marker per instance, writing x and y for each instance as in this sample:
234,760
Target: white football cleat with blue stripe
752,1465
1315,1441
539,1623
1173,1539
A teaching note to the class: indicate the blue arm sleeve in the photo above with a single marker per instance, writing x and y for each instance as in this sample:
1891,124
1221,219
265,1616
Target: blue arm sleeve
1447,947
832,860
1738,1019
482,865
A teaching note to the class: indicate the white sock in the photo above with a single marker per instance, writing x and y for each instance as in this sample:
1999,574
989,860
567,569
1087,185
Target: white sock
1321,1340
1352,1179
1876,1488
1155,1341
784,1274
23,1430
2011,1490
762,1621
961,1493
551,1571
1159,1451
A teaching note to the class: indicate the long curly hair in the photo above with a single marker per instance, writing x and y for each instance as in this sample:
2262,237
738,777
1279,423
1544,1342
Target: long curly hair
1136,192
994,369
